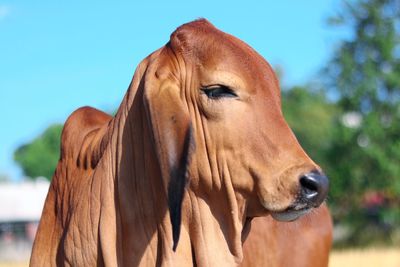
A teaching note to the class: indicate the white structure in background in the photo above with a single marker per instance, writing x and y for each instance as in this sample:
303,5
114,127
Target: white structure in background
21,206
22,201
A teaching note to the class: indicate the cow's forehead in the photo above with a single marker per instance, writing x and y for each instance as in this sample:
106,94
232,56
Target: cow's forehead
218,52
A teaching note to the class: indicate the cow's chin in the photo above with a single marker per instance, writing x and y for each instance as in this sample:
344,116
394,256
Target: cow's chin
289,214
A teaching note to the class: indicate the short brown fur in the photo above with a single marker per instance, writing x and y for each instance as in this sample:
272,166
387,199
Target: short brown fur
110,200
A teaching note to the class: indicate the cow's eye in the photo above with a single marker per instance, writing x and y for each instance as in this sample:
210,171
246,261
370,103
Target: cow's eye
218,91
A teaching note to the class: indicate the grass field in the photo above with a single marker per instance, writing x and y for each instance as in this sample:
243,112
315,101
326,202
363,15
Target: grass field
13,264
377,257
373,257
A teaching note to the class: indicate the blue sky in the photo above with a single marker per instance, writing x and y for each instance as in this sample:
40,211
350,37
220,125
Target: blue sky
56,56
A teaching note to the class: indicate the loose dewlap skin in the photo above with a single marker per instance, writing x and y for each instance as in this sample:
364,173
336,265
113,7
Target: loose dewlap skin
198,149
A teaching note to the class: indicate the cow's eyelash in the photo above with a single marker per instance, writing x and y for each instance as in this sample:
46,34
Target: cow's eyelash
218,91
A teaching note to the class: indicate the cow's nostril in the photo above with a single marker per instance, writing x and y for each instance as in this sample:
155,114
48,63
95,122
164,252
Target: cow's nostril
314,187
309,186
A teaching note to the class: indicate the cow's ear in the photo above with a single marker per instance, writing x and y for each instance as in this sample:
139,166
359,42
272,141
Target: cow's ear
173,140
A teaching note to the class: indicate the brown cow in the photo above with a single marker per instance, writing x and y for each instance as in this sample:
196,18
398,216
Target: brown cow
197,148
305,242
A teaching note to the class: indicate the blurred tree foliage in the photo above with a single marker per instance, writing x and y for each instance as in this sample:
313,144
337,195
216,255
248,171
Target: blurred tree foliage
364,157
311,117
40,157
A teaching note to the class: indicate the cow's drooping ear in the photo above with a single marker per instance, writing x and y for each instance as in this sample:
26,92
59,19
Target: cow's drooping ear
173,140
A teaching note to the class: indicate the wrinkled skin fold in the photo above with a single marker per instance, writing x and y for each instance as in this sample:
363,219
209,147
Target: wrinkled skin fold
198,147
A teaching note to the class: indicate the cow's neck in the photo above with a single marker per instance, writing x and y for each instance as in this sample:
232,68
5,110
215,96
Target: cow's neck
211,223
143,237
217,210
215,229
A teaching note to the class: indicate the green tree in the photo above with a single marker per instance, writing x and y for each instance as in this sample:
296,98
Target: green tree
40,157
365,153
311,117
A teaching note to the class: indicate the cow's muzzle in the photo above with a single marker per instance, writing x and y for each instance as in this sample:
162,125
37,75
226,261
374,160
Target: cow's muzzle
314,188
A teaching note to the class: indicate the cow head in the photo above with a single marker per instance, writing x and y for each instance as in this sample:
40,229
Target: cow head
215,109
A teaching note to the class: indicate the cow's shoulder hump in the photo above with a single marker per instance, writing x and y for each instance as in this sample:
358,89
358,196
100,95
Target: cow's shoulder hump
81,124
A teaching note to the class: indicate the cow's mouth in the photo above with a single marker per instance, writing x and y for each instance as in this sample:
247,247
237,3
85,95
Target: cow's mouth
290,214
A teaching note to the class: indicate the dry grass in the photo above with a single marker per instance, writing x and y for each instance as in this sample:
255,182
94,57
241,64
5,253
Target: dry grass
372,257
14,264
